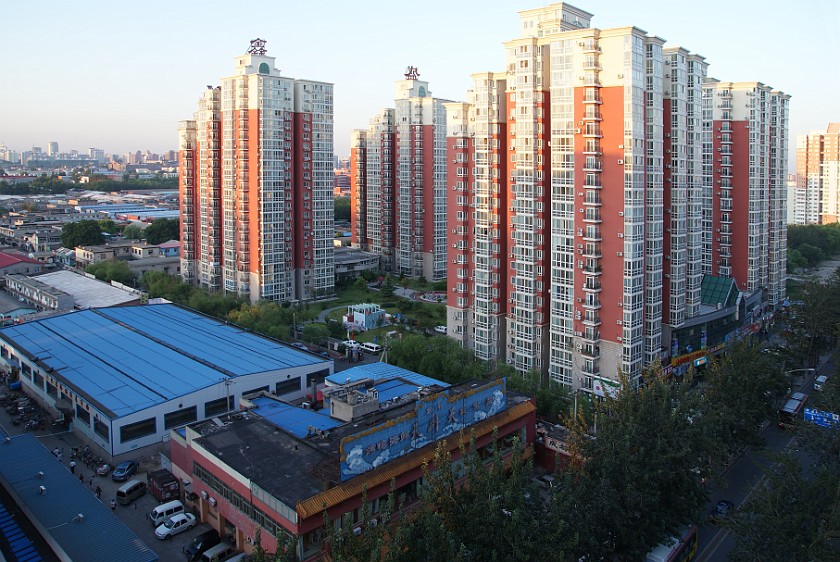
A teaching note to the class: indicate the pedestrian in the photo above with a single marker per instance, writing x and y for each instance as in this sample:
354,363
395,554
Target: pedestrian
72,467
98,492
113,504
58,455
91,478
55,452
82,478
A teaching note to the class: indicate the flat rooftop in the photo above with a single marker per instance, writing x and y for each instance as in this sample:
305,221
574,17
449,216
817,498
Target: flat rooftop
294,464
86,292
126,359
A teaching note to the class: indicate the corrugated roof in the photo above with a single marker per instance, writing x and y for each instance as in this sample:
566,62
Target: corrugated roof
291,418
126,359
380,370
99,536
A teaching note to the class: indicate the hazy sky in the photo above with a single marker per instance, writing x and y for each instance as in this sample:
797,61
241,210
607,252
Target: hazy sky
120,75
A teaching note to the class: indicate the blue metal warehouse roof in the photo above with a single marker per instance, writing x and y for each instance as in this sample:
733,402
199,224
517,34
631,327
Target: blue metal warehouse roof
98,536
378,371
126,359
291,418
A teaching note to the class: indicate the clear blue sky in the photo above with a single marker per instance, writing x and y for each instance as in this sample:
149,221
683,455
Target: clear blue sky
120,75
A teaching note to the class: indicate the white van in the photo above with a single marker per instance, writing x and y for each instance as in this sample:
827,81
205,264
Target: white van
164,511
371,347
820,382
218,553
130,491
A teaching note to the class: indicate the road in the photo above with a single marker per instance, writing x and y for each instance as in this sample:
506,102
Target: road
743,477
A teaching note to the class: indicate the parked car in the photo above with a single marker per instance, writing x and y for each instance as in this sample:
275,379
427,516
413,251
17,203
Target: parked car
174,525
440,329
124,471
350,344
200,544
723,510
300,346
103,469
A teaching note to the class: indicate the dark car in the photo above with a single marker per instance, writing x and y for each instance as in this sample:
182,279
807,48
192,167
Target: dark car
200,544
124,471
723,510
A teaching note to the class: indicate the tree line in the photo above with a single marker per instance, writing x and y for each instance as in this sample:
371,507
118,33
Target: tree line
810,244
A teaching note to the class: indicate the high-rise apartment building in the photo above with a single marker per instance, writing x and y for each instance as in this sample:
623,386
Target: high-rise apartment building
818,176
579,194
256,180
398,179
52,149
746,134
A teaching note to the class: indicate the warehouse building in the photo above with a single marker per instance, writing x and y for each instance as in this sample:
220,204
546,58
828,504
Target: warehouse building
127,375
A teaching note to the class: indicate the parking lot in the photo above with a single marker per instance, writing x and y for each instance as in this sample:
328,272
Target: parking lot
134,516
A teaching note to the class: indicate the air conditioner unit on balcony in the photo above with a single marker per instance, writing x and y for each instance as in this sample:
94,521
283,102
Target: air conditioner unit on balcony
620,254
621,213
620,162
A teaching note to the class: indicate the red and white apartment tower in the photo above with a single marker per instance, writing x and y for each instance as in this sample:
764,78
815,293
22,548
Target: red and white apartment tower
256,184
398,183
818,177
746,135
578,197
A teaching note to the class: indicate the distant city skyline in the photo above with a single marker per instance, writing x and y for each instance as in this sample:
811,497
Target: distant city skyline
120,78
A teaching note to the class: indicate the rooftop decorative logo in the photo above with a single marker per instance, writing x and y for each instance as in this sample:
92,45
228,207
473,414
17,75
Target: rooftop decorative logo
257,47
411,73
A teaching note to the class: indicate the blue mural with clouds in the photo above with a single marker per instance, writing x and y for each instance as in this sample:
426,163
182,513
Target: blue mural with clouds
434,417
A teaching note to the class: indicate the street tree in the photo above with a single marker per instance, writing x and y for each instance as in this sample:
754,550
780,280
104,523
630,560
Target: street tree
634,482
315,333
741,391
788,517
107,225
81,233
812,323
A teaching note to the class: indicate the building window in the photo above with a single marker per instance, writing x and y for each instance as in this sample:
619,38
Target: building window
216,407
39,380
180,417
316,377
256,390
101,428
82,414
287,387
138,429
52,390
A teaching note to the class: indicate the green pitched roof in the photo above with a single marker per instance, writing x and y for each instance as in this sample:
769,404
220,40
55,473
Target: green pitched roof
718,290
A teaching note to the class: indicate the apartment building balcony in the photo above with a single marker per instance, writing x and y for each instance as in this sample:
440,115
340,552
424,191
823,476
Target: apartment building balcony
725,253
592,251
591,335
591,318
592,114
592,99
592,198
590,351
592,215
591,369
591,130
592,235
592,149
592,285
592,182
590,46
592,165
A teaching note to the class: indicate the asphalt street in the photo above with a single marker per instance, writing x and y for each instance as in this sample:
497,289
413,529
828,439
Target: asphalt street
744,475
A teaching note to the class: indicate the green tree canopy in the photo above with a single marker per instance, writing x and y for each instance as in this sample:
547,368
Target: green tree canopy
162,230
112,270
635,483
342,208
81,233
133,232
